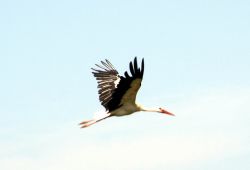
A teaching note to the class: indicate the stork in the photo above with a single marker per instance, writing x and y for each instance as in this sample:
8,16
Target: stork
118,93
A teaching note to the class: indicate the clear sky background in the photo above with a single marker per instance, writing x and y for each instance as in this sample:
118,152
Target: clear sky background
197,65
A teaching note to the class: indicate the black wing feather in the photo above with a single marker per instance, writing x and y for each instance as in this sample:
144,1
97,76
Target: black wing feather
125,84
106,75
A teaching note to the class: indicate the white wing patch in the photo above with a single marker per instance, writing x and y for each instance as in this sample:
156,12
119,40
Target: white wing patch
116,82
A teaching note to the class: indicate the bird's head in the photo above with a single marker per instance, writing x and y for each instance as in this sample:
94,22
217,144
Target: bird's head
161,110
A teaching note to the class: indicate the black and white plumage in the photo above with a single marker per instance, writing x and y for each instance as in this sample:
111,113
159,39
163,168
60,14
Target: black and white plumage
118,93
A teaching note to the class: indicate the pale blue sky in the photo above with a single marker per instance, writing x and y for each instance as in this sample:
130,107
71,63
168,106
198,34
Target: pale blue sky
197,59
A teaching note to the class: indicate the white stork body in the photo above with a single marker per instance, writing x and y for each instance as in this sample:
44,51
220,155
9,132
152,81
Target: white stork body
126,109
118,93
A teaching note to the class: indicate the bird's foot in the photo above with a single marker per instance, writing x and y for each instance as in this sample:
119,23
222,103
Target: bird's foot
87,123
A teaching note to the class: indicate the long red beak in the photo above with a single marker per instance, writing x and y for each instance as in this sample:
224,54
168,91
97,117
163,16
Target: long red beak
166,112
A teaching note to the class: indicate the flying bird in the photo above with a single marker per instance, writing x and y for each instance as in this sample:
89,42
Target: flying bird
118,93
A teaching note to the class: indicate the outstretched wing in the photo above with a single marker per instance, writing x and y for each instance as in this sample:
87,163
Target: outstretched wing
107,78
115,90
128,85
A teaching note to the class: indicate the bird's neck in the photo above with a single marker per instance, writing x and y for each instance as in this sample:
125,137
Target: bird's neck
147,109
